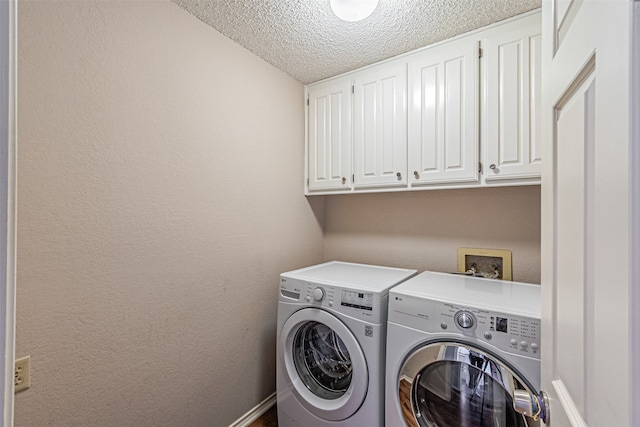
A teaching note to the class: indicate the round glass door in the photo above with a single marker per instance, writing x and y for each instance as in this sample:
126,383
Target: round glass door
324,363
322,360
457,385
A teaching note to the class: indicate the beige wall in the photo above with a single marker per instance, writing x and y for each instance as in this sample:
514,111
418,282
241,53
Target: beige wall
424,229
160,195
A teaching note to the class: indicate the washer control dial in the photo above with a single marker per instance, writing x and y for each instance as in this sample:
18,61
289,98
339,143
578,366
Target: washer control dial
465,320
318,294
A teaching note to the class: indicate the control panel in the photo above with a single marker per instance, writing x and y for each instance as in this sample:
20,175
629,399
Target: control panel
356,303
508,332
356,299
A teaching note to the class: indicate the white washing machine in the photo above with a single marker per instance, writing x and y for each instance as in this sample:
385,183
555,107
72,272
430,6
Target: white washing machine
331,342
461,350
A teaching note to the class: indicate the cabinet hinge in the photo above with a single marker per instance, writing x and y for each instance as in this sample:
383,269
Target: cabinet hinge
353,178
479,167
353,89
479,52
307,102
307,182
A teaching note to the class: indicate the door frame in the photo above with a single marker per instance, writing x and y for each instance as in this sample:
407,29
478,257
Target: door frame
8,143
634,184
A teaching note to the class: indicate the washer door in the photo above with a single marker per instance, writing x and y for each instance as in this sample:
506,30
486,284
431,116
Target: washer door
448,384
324,363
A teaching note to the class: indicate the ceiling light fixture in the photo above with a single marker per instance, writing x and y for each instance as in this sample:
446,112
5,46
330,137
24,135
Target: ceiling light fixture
353,10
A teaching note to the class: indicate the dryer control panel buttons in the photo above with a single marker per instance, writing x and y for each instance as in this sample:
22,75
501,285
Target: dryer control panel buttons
465,320
505,331
318,294
356,299
356,303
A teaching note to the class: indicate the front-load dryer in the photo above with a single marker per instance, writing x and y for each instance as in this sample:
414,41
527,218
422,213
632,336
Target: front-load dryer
461,350
330,344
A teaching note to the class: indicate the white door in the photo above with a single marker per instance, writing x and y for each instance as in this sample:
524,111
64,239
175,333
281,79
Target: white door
590,216
443,113
329,136
380,126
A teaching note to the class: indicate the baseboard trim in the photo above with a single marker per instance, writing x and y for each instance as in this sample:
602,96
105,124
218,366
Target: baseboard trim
255,412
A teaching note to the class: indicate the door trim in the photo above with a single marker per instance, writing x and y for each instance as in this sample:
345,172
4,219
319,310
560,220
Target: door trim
634,195
8,142
567,402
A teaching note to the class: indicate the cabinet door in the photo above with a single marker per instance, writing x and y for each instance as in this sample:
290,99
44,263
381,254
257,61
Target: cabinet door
380,121
512,115
329,136
443,114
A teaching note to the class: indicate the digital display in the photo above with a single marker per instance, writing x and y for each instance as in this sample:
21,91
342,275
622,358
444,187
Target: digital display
355,299
502,324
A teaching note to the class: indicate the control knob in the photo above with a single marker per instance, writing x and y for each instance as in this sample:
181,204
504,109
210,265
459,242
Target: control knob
318,294
465,320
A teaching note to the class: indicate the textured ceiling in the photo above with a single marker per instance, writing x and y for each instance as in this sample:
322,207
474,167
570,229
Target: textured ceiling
307,41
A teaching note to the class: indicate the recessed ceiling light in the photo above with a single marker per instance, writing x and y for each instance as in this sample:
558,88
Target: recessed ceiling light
353,10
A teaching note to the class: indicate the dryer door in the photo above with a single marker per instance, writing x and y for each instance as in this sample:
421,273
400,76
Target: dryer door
448,384
324,363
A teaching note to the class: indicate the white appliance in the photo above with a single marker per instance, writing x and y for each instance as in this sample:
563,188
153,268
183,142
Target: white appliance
330,344
461,350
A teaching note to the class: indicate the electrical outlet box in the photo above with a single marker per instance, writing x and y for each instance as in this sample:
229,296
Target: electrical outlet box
22,380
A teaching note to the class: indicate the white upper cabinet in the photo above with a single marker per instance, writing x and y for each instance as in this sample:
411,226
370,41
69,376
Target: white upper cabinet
443,134
380,126
462,113
511,137
329,136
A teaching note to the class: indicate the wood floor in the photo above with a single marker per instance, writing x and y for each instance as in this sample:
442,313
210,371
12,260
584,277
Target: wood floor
268,419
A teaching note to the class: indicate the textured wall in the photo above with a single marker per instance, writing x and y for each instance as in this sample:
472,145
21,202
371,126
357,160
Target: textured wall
424,229
160,195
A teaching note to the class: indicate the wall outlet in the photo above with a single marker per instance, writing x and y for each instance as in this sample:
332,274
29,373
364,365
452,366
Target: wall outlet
22,380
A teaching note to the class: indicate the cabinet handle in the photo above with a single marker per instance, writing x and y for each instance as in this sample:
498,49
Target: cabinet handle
416,174
493,166
399,175
344,180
